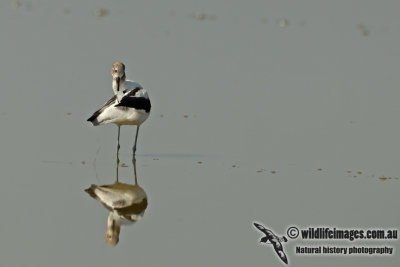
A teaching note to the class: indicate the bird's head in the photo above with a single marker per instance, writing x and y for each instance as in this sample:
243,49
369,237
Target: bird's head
118,75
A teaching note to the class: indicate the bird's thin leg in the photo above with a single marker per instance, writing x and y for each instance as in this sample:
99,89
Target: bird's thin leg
117,174
134,146
119,128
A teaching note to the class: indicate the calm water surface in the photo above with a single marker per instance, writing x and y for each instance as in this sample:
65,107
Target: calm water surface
281,112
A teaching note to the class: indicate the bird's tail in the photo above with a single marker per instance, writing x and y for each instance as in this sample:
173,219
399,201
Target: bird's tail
93,120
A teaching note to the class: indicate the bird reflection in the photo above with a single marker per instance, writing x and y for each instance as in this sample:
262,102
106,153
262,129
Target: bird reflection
126,203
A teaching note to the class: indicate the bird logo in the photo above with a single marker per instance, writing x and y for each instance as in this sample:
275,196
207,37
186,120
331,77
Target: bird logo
274,240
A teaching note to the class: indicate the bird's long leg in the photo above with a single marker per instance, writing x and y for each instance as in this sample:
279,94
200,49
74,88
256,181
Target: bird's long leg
134,146
118,146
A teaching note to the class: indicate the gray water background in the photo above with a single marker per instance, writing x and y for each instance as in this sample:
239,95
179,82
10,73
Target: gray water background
282,112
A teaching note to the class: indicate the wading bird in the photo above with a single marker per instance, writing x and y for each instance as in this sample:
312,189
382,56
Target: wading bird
129,106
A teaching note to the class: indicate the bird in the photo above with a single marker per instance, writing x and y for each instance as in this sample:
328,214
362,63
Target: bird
130,104
274,240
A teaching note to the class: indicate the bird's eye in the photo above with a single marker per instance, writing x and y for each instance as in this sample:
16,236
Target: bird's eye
115,70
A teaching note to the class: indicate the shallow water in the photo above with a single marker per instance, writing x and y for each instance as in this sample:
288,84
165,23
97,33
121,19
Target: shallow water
285,113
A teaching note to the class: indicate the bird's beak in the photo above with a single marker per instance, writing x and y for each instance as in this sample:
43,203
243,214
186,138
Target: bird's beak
118,79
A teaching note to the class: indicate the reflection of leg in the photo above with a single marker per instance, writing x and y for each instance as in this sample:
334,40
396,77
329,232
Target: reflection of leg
117,165
134,168
134,146
117,173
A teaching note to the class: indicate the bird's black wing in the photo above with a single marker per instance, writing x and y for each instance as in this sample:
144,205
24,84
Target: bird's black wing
106,105
131,101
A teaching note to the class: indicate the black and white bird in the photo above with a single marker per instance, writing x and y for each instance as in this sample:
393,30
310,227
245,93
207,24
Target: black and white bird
274,240
129,106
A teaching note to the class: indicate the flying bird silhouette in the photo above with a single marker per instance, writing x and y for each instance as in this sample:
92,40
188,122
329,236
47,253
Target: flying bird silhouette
274,240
